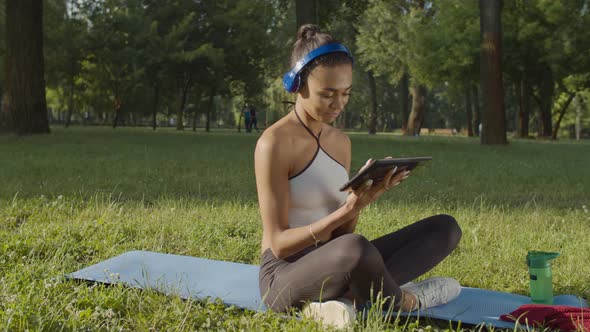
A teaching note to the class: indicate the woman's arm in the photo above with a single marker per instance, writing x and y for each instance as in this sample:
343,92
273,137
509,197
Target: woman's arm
271,164
347,227
350,225
366,194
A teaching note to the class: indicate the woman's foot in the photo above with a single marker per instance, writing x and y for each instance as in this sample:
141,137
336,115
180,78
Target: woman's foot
431,292
339,313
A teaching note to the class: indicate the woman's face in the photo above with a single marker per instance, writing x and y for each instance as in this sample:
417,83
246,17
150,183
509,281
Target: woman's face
326,92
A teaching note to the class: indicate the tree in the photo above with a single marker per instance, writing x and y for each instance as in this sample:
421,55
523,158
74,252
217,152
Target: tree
494,128
24,109
342,21
372,121
178,51
111,64
2,59
522,43
255,52
306,12
157,47
448,42
468,110
65,35
545,58
386,41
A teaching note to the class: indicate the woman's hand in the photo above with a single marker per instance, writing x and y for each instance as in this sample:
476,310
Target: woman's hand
370,191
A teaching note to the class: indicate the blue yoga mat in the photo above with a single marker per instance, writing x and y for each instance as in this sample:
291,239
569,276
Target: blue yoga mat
237,284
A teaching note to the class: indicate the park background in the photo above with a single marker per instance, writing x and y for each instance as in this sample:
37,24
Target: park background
196,64
123,129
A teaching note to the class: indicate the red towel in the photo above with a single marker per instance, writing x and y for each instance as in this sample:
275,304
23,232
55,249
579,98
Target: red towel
561,317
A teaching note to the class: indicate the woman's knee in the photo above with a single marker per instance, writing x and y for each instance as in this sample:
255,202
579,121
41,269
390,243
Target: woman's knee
450,230
352,250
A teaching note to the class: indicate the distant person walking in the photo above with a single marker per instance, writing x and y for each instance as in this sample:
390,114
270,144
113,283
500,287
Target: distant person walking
253,121
247,118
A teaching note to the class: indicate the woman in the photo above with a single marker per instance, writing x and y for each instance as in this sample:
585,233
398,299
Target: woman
310,252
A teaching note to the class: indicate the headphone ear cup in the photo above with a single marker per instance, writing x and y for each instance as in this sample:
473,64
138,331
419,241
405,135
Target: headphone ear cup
296,83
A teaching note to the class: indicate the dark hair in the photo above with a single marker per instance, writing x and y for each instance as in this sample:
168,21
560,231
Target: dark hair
309,37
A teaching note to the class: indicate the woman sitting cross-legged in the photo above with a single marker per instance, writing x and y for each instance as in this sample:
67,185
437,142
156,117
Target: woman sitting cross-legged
311,257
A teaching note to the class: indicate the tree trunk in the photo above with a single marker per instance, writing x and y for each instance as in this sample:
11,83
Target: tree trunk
416,117
561,114
180,112
518,114
70,102
1,93
132,119
578,124
240,122
118,116
305,12
347,120
196,110
524,103
195,114
546,91
405,101
5,119
494,113
372,123
468,110
156,102
25,107
209,107
476,110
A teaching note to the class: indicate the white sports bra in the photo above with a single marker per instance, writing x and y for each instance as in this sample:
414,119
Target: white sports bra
314,191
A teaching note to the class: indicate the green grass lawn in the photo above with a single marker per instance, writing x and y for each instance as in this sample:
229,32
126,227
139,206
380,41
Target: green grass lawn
79,196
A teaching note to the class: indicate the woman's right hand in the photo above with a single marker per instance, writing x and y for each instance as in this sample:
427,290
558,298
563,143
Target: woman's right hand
367,193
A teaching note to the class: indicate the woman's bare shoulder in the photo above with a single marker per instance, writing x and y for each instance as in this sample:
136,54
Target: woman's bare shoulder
277,136
336,135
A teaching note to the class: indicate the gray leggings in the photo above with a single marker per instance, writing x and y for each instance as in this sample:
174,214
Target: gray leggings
351,262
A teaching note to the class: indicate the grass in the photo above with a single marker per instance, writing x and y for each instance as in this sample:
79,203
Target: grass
79,196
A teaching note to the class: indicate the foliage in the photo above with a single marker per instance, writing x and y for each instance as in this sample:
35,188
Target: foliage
2,46
543,36
381,42
121,49
151,54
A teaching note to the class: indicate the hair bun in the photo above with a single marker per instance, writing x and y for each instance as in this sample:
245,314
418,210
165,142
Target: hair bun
307,31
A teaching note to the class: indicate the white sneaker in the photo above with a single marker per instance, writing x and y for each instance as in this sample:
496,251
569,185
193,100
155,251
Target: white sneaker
433,291
339,313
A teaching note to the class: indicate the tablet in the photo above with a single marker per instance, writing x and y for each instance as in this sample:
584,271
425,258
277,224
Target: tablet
377,170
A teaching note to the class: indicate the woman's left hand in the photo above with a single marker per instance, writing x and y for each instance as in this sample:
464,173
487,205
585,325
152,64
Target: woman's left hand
391,179
371,191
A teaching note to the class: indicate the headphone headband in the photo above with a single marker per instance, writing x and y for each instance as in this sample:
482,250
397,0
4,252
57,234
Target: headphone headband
292,79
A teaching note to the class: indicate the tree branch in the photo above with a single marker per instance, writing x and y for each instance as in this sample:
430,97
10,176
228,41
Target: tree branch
561,114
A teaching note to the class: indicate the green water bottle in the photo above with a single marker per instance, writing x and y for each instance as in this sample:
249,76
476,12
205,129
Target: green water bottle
539,263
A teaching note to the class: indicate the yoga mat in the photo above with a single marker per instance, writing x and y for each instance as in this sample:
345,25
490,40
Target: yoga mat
237,284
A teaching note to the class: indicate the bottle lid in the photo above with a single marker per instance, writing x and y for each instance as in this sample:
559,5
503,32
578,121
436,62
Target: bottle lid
539,259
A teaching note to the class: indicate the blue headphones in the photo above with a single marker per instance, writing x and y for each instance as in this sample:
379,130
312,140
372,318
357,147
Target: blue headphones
292,79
